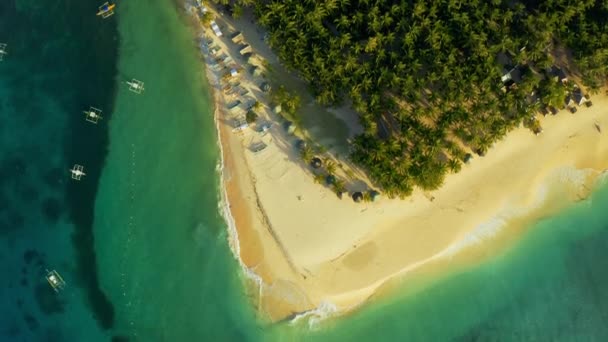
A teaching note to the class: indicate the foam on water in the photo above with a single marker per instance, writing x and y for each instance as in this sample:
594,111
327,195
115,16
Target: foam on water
325,310
564,176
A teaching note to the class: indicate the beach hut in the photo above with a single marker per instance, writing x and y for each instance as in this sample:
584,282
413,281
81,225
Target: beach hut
357,197
234,105
578,96
245,49
558,74
237,37
240,123
256,71
257,147
289,127
247,57
553,110
316,163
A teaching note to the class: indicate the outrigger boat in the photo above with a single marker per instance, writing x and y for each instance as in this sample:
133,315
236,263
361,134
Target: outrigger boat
55,280
106,10
77,172
93,115
2,51
136,86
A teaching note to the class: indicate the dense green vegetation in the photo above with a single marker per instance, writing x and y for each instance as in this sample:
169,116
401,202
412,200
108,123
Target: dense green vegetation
425,75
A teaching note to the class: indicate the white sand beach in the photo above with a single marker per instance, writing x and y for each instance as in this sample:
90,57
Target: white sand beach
313,249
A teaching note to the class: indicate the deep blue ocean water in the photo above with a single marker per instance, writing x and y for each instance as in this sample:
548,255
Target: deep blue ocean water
140,241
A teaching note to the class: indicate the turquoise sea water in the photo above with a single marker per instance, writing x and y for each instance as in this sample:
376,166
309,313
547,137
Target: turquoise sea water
140,240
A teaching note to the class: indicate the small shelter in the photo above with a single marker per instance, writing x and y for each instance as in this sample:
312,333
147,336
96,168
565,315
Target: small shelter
553,110
237,37
234,105
245,49
558,73
256,71
289,127
569,100
357,196
257,146
578,96
247,57
240,123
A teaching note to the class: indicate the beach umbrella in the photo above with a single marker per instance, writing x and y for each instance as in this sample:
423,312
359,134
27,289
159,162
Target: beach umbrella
330,179
316,162
301,144
467,157
357,196
374,195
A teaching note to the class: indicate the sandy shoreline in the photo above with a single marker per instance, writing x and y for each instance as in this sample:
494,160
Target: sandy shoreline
313,250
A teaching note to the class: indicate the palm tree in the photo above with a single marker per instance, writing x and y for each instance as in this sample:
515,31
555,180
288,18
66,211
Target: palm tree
454,165
319,178
306,153
339,186
330,166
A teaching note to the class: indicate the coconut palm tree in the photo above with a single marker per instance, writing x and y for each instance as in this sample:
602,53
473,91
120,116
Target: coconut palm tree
330,166
307,154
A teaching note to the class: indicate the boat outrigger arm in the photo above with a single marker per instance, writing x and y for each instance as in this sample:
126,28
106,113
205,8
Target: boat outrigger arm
106,10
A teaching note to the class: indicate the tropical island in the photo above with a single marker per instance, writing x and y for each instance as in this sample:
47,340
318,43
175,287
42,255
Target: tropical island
424,88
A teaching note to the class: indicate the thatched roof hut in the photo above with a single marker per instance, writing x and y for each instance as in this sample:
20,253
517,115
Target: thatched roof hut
357,196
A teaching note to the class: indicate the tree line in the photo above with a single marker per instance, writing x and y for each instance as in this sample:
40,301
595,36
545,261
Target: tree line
425,75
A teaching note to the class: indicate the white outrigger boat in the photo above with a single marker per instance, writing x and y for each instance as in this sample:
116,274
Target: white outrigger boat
77,172
2,51
55,280
136,86
93,115
106,10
